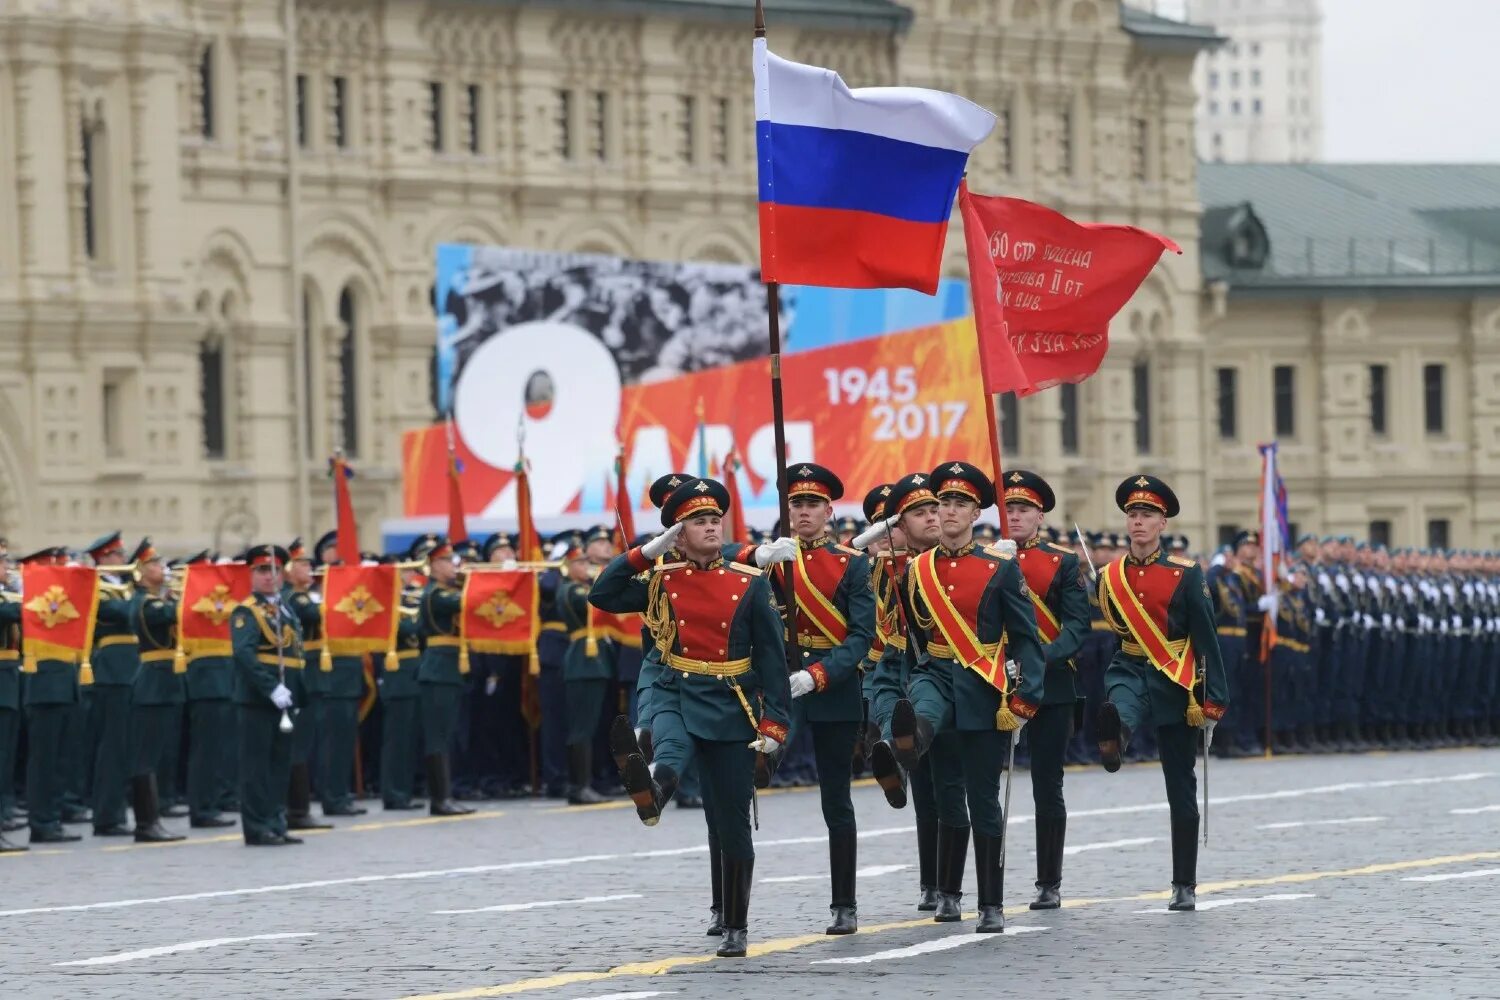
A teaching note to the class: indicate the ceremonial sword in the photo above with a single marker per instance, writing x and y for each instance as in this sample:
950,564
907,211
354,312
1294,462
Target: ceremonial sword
1013,673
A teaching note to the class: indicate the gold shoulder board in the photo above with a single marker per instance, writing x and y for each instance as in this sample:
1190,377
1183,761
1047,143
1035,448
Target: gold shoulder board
742,568
1180,561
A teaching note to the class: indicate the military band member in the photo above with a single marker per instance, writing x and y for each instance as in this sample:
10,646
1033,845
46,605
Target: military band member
306,603
158,692
442,669
341,686
1160,607
588,668
114,661
211,721
1060,602
49,692
267,640
400,697
717,631
10,699
835,624
501,720
970,614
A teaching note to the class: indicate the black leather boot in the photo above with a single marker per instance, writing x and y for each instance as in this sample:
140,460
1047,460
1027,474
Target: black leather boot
737,878
580,764
623,741
1050,835
927,864
147,806
1184,865
990,877
299,801
843,859
1112,735
649,788
716,880
952,850
888,774
911,734
439,788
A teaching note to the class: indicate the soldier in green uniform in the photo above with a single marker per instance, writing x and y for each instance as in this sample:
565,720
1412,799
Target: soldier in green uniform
267,641
719,637
961,602
835,625
49,693
306,604
158,691
1160,607
115,661
441,671
399,694
1061,604
588,669
341,684
10,698
211,718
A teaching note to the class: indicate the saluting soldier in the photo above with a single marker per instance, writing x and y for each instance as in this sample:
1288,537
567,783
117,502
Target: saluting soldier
1160,607
115,661
211,719
1060,603
400,697
718,634
159,690
442,668
306,603
49,693
267,641
835,624
10,700
970,615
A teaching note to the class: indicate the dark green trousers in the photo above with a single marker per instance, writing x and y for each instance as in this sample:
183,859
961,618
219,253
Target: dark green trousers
833,752
265,770
109,721
46,731
10,735
728,774
150,732
74,762
340,731
937,785
440,706
229,763
398,749
169,764
210,724
585,702
1047,738
307,721
1177,746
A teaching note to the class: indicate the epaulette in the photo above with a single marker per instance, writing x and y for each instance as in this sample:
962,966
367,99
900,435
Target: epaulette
1059,549
1180,561
846,549
742,568
665,567
997,552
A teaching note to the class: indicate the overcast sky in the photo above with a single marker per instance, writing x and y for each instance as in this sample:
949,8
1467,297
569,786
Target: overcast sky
1408,79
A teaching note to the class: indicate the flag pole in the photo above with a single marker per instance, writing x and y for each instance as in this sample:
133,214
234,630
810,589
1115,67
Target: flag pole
989,401
778,415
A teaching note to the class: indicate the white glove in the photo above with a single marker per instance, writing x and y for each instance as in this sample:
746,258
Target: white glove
802,683
490,684
281,697
1321,616
508,564
1390,584
1324,582
1208,730
782,550
1265,602
1369,622
1385,621
878,529
1343,581
661,542
1006,546
765,744
1458,622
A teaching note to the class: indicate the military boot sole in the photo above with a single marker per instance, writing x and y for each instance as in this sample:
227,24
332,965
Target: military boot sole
1108,728
641,789
623,742
904,734
888,774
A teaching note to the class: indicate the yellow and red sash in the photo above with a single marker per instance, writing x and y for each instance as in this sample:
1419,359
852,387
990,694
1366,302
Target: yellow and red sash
1145,631
967,648
818,608
1047,625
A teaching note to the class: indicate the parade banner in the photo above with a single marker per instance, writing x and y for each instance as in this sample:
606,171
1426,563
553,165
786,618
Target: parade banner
58,610
622,628
361,609
210,593
501,611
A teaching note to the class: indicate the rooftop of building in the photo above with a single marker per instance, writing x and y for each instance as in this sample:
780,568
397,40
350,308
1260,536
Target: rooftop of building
1362,225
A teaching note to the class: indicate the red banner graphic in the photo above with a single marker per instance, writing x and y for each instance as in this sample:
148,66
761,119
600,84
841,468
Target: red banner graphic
361,609
58,612
210,593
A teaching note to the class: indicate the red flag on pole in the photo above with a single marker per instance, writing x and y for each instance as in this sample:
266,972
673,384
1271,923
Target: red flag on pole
528,542
624,510
729,471
1045,288
458,531
348,530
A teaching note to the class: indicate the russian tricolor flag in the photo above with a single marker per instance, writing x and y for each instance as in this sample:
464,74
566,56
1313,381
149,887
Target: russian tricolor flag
856,186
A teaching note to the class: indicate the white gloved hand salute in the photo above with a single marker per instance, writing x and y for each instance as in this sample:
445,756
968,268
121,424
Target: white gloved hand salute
876,530
781,550
662,542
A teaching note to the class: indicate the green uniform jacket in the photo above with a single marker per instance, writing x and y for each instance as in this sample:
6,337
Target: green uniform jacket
54,683
308,609
210,678
837,671
578,665
402,682
10,653
155,623
438,619
115,663
260,647
1190,612
1068,601
1003,607
750,627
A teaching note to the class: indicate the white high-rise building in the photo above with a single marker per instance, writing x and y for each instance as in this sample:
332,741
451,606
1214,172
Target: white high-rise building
1260,93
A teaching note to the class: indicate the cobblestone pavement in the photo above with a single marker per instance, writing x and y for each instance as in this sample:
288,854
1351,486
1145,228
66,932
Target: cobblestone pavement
1368,876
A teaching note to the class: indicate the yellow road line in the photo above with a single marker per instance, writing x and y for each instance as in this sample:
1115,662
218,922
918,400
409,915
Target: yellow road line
655,967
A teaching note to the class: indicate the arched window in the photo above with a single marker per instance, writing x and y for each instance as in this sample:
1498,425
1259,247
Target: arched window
211,369
348,375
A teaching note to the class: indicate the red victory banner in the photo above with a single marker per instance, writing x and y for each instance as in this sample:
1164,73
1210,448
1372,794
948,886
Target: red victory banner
58,612
361,609
210,593
500,611
1045,288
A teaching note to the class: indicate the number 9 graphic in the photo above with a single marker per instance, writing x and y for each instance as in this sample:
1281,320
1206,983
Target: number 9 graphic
570,445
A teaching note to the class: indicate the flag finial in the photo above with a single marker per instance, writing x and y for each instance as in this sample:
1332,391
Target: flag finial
760,19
